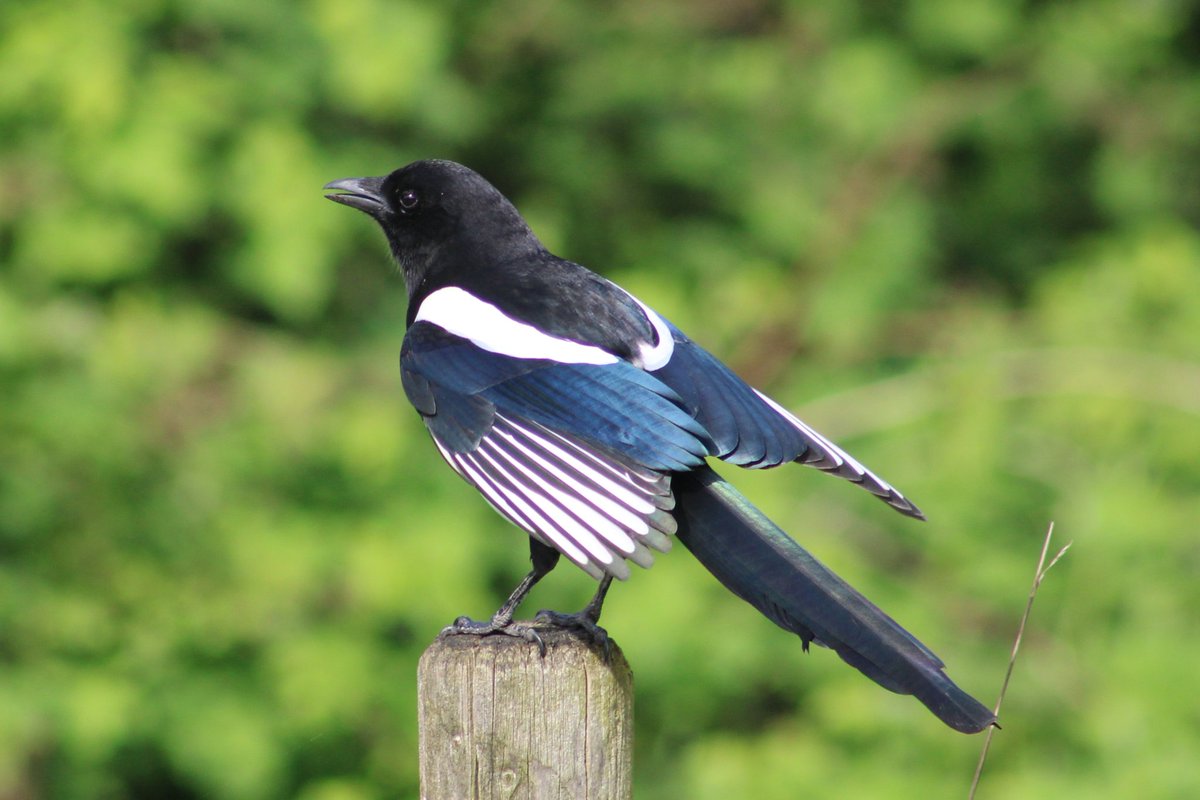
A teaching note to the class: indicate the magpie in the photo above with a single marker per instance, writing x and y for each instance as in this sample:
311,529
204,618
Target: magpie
586,418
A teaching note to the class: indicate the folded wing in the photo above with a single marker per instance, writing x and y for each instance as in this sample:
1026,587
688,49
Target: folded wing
579,455
752,430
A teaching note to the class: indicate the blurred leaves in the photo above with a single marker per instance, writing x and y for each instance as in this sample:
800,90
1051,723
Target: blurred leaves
960,237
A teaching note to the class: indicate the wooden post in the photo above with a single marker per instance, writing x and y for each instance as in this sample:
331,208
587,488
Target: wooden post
499,721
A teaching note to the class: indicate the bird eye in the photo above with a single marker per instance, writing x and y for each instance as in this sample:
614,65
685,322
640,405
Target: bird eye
409,200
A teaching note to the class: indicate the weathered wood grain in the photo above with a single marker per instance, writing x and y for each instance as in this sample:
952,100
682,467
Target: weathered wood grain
500,722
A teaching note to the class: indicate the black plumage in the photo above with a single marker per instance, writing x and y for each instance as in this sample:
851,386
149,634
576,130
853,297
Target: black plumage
585,418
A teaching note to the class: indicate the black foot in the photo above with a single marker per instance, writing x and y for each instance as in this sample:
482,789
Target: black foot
473,627
583,622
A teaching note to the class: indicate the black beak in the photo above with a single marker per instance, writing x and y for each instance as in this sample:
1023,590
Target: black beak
365,194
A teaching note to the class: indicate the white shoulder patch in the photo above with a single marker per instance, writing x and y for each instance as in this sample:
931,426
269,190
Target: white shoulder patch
654,356
459,312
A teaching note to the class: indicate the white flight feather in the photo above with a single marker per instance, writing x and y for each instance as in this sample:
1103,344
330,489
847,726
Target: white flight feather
544,525
556,522
833,449
616,521
622,493
553,503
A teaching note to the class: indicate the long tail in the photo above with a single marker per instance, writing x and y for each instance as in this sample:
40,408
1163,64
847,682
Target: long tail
761,564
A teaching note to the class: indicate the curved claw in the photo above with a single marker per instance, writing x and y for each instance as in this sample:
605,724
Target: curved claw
472,627
583,622
529,634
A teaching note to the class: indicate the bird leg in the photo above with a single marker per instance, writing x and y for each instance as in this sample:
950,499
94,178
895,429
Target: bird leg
585,621
502,621
544,559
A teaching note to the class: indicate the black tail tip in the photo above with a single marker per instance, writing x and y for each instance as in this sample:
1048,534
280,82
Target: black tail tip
973,724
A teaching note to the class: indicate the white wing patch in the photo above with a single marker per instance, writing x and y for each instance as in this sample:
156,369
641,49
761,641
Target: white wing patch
598,512
655,356
828,457
459,312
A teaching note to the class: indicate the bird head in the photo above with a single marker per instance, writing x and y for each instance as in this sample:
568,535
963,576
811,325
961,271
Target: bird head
438,217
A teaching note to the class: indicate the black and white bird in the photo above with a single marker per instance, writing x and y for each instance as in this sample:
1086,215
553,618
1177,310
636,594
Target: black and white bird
586,418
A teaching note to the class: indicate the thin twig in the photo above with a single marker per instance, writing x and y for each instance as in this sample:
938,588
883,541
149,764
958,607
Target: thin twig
1038,576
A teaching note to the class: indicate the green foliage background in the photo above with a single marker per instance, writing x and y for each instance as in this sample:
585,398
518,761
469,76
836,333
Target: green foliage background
959,236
